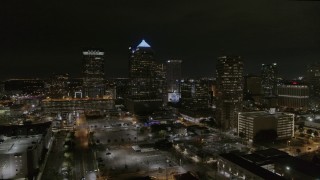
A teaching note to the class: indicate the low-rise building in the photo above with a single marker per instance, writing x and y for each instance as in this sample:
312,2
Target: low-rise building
250,123
265,164
20,156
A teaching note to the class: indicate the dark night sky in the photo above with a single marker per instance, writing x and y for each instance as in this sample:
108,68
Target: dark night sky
38,38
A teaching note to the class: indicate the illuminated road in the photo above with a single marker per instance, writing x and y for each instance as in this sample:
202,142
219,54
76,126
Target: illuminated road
84,161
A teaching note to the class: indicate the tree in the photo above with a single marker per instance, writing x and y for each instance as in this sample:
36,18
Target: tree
158,127
162,133
298,151
301,130
241,134
301,126
315,159
309,131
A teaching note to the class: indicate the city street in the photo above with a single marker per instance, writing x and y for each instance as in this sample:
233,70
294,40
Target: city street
53,169
84,159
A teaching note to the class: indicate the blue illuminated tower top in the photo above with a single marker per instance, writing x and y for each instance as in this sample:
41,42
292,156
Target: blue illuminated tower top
143,44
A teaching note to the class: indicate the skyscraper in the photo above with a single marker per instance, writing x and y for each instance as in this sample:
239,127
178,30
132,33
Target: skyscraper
252,89
269,75
229,71
173,77
194,94
145,76
93,73
141,71
313,78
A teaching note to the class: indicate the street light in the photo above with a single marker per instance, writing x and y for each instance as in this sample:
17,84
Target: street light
167,168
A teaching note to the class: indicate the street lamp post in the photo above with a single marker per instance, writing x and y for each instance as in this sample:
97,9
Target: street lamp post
288,144
167,168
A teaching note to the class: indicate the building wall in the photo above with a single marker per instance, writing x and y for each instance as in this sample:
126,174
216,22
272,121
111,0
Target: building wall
24,163
313,78
249,123
285,126
293,96
269,75
13,166
143,107
227,169
194,94
264,123
253,85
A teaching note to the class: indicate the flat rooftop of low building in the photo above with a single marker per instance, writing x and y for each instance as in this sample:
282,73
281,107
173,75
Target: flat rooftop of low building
266,156
18,144
253,162
271,153
250,166
301,166
255,114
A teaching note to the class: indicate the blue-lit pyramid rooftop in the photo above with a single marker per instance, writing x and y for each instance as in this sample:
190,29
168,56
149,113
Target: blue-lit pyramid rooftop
143,44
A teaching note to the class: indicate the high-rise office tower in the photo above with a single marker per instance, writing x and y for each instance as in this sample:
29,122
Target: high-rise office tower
269,76
93,73
173,77
313,78
229,71
252,89
252,84
194,94
160,79
142,72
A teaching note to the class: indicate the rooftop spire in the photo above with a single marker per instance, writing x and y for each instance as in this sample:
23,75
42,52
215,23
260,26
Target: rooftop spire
143,44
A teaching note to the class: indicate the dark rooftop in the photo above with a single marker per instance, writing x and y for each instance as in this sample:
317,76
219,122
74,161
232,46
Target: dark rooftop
253,162
302,166
271,153
255,169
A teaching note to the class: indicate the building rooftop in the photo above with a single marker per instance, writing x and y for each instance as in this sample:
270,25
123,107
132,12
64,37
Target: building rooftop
302,166
266,156
250,166
271,153
19,144
253,162
265,114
